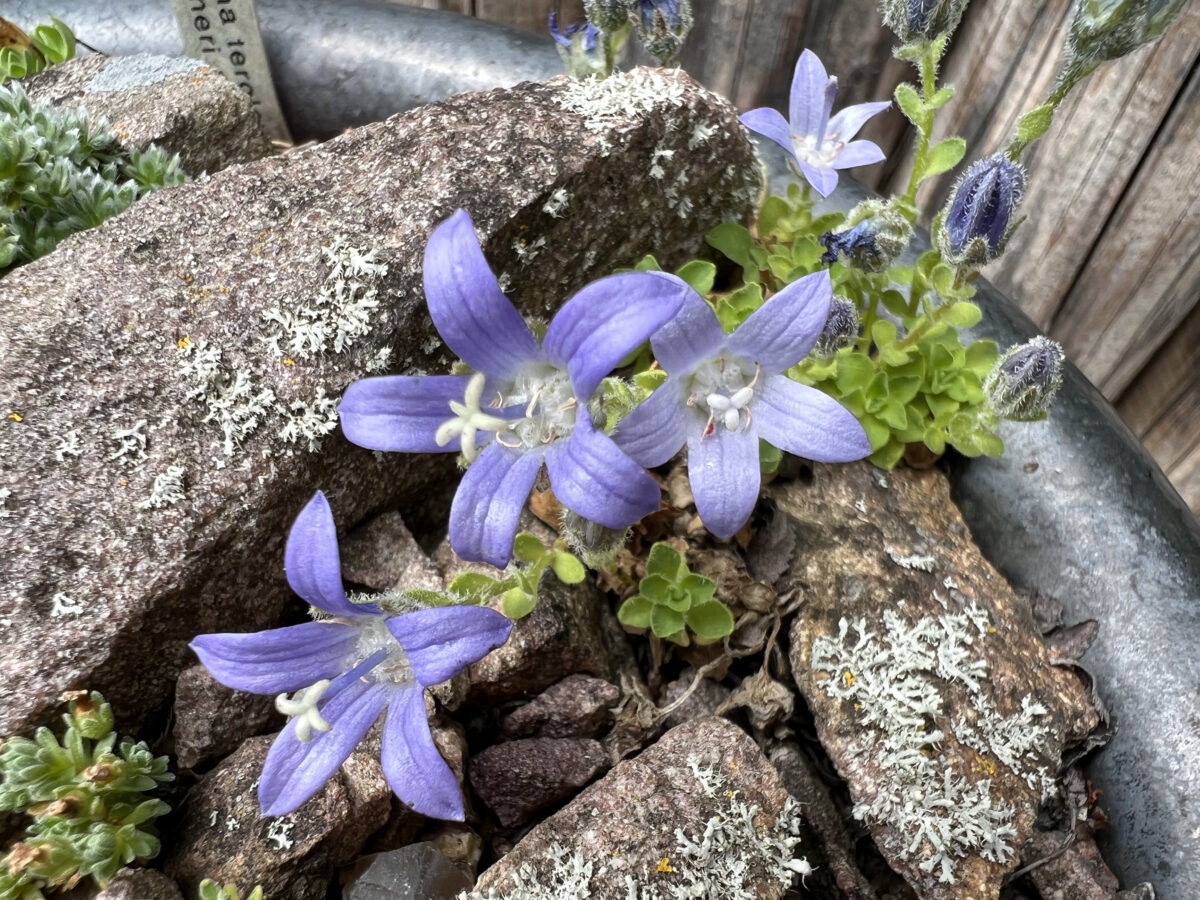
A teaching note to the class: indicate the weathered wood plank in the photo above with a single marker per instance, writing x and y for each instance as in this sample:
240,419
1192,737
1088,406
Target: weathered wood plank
1185,475
458,6
530,14
1170,372
1142,277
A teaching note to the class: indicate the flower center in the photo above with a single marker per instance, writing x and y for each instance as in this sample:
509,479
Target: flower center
819,153
724,389
549,401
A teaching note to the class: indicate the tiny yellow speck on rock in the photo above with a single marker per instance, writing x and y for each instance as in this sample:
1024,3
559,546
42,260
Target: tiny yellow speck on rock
664,864
288,361
848,678
184,342
16,417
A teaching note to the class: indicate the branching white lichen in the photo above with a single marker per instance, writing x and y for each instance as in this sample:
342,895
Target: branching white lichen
728,858
167,489
68,445
131,443
5,512
938,816
230,397
64,605
605,102
557,202
307,421
279,833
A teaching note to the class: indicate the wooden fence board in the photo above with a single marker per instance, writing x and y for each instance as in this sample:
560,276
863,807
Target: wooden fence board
1142,276
1168,374
529,14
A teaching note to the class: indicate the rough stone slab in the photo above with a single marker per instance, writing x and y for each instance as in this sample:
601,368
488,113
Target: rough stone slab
382,554
416,872
907,632
212,720
223,836
103,593
518,779
577,706
621,831
180,104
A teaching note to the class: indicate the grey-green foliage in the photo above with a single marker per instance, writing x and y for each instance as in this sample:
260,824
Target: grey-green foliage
86,795
61,172
53,43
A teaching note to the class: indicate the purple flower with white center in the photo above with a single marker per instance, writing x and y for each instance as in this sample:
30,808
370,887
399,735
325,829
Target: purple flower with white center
726,391
344,670
527,404
819,143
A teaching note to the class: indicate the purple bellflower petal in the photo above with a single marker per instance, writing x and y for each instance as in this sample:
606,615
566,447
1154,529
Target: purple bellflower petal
824,181
442,640
656,429
724,472
692,335
781,332
594,478
282,659
311,561
807,423
858,153
771,124
400,412
488,503
295,770
470,311
608,320
847,122
806,104
411,762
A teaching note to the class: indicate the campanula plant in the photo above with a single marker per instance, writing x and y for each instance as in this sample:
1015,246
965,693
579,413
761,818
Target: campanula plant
527,403
360,658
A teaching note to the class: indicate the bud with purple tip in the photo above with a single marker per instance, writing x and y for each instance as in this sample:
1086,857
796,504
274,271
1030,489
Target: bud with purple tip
1107,29
841,328
662,26
1025,379
875,234
979,217
577,47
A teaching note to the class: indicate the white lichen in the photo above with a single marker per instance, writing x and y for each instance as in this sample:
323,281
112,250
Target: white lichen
279,833
895,680
230,396
5,512
557,202
307,421
68,445
924,562
167,489
605,102
131,443
64,605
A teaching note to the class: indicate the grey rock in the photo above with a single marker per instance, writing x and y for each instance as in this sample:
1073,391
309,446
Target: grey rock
382,554
181,105
224,837
518,779
212,720
416,872
577,706
700,810
705,700
139,352
127,884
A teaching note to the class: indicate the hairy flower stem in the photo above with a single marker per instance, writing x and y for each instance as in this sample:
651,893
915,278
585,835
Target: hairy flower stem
927,65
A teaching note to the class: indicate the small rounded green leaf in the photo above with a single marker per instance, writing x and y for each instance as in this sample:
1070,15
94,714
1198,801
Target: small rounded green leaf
855,371
635,612
889,455
711,620
699,273
945,155
678,599
666,561
656,588
961,315
699,588
665,621
1034,124
567,567
528,548
911,104
516,603
474,586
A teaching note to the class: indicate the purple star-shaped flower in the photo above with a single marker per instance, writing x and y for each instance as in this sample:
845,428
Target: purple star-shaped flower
345,669
820,144
725,391
527,402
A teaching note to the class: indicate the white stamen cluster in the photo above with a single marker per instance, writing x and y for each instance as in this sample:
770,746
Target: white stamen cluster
720,388
469,419
302,706
821,154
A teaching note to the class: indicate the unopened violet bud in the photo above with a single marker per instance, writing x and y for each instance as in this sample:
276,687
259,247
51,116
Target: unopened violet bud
914,20
1025,379
577,47
979,216
662,27
608,15
873,236
1102,30
841,328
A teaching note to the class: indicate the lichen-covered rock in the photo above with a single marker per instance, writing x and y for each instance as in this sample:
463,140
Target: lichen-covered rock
167,378
518,779
212,720
577,706
180,104
223,836
701,810
929,683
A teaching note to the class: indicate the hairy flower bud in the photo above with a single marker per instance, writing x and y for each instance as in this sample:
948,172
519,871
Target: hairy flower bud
873,236
1025,379
914,20
979,217
592,542
841,328
1108,29
608,15
662,26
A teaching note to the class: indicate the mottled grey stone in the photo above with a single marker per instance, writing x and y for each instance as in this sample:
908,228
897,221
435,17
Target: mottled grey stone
212,720
127,884
223,836
382,554
701,810
416,872
518,779
179,104
577,706
103,346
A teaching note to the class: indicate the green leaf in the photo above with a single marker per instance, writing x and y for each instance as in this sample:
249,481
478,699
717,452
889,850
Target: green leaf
895,303
981,356
990,444
699,273
945,155
666,561
942,278
635,612
736,242
961,315
474,586
911,104
903,388
735,308
774,209
665,621
901,274
889,455
516,603
855,371
1033,125
876,394
711,620
677,599
878,432
528,548
895,414
567,567
647,264
941,97
883,333
699,588
935,440
56,41
657,588
941,407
